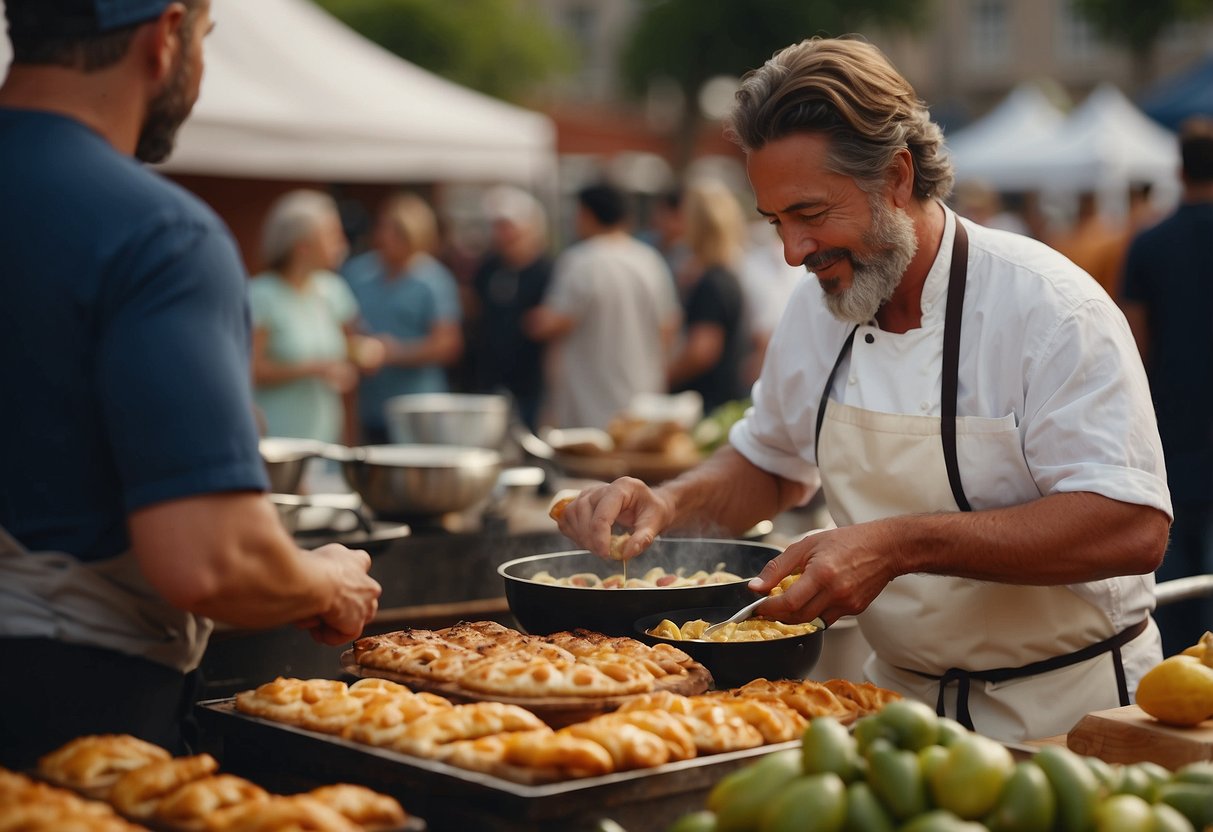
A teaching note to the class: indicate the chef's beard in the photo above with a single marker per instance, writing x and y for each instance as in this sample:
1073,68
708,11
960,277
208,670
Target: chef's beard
889,246
165,115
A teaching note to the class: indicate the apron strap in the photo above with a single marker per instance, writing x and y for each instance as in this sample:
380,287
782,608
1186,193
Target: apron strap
951,361
825,393
962,677
957,278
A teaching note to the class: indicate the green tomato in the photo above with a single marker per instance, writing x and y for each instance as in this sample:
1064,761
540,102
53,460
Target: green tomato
1027,802
897,780
950,730
912,724
970,780
701,821
1124,813
741,796
941,820
813,803
1198,772
1076,786
867,730
930,759
864,810
1135,780
1109,776
1193,800
1168,819
827,746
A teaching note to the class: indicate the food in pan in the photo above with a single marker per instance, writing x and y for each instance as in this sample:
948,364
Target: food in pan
508,663
33,805
94,763
368,808
185,794
296,812
654,578
647,730
137,793
556,511
752,629
191,806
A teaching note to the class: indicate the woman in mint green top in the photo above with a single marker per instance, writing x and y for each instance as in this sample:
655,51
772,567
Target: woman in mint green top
303,318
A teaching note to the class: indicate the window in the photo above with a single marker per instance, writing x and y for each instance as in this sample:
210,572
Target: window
1077,41
989,33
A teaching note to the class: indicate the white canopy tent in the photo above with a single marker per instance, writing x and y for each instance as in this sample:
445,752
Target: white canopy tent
292,93
1023,118
1103,145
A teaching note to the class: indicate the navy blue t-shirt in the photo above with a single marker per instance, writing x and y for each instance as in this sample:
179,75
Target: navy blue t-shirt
1169,269
124,341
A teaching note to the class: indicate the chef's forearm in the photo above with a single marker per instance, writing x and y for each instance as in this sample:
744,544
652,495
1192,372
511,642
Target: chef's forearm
729,492
1059,539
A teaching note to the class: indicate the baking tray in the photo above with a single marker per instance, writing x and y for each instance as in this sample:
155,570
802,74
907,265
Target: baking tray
451,798
556,711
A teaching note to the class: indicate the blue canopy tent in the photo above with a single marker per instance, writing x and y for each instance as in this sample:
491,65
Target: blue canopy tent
1181,96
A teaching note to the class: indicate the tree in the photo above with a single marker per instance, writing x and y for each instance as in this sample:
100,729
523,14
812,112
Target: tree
1138,26
495,46
691,41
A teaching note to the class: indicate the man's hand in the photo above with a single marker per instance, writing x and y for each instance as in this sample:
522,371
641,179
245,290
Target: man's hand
843,571
357,598
627,501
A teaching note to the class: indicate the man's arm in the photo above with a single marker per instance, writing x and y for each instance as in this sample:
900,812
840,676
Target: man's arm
703,348
543,323
226,556
1138,317
1059,539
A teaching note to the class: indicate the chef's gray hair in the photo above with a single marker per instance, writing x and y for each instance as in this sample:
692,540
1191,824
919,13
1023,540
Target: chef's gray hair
293,217
847,89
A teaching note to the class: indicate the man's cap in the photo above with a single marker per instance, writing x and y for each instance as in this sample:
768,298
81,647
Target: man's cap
82,17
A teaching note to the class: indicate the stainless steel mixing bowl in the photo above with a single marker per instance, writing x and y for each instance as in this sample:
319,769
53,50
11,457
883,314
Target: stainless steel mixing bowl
286,461
403,481
463,419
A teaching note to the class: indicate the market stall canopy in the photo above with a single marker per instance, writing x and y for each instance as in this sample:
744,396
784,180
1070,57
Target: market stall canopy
292,93
1182,96
1024,117
1103,145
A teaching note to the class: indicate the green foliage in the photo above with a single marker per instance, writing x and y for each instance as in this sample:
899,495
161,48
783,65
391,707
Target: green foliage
499,47
1139,25
691,41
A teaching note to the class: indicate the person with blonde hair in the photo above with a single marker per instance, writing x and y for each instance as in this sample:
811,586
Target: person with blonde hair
713,339
410,302
971,403
304,343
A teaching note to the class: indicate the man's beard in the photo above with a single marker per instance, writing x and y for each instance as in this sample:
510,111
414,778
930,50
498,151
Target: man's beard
165,115
874,279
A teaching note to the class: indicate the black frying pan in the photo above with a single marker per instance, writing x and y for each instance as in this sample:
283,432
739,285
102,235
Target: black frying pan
546,608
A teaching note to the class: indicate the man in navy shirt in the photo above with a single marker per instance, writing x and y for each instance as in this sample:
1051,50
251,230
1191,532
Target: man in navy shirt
131,489
1167,297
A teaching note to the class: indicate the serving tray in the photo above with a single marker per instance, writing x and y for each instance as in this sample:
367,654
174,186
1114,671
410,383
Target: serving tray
452,798
556,711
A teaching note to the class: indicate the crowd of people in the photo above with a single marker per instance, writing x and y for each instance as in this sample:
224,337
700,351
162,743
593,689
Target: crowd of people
682,301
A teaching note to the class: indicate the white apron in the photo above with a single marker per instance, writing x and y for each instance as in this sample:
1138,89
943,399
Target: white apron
105,604
969,646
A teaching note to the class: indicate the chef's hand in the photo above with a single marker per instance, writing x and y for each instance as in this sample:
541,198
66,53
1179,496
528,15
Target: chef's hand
627,501
842,571
355,600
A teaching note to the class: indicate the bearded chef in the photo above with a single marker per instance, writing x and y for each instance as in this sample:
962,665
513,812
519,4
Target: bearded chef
970,401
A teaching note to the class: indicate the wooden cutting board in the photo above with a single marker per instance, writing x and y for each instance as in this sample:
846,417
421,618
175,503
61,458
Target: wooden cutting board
1130,735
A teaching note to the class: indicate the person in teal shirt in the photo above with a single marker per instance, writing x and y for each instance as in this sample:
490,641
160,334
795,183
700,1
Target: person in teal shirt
304,344
409,301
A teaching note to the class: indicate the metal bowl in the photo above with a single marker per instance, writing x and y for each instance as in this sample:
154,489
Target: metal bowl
464,419
286,461
733,663
547,608
403,481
